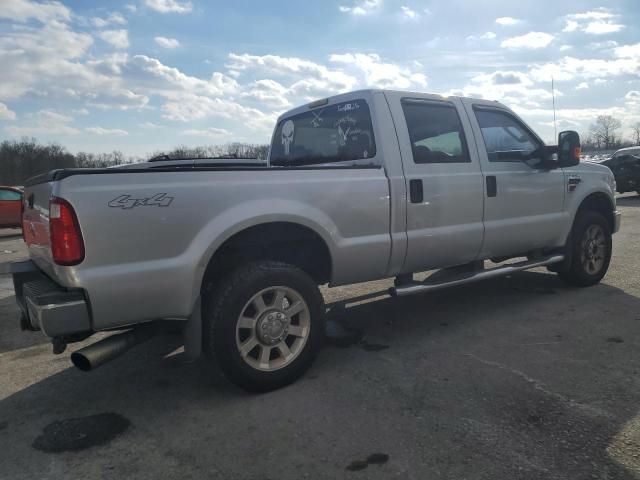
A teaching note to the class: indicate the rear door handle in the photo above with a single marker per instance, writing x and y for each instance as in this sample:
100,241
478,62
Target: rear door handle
492,186
416,193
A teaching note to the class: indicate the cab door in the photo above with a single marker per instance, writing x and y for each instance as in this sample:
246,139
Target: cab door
523,203
443,181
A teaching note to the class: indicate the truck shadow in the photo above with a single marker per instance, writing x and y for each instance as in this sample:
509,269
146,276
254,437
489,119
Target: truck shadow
491,370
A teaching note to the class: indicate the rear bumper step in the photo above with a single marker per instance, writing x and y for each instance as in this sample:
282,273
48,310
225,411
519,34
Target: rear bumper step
460,279
47,306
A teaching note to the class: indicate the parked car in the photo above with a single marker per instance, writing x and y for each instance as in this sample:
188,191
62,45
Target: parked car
357,187
10,207
626,171
627,151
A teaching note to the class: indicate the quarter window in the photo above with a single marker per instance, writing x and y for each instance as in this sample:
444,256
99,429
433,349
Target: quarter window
435,132
505,138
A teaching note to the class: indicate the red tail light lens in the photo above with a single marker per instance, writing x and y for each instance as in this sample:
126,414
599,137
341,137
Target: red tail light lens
67,247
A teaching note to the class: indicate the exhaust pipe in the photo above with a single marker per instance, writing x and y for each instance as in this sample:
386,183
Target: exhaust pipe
105,350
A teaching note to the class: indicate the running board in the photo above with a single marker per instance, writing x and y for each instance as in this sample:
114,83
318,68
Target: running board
461,279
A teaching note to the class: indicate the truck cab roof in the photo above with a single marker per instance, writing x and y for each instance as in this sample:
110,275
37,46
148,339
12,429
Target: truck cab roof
369,92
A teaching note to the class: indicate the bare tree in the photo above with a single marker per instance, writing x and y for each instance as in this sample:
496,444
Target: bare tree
604,131
635,128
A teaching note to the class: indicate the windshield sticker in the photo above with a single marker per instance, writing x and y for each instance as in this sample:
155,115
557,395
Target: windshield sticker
348,107
346,125
287,136
317,118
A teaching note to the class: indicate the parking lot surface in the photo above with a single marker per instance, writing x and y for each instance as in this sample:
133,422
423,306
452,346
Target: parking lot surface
514,378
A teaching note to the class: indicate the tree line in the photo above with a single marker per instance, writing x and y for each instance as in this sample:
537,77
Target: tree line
25,158
604,135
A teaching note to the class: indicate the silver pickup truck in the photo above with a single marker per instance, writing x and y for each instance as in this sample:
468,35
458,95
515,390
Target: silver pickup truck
357,187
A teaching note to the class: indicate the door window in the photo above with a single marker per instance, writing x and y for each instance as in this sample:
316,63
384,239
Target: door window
9,195
435,132
506,139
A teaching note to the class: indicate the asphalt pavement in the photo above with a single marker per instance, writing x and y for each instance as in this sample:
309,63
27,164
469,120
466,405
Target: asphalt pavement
515,378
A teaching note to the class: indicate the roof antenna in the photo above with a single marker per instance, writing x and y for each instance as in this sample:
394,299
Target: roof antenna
553,96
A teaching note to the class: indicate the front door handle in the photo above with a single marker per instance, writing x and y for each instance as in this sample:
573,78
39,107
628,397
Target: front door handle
416,193
492,186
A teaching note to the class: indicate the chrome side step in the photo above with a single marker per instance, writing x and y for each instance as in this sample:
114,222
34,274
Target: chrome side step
474,276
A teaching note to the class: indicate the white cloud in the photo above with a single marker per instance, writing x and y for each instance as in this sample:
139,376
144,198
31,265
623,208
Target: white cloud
508,21
362,7
628,51
116,132
24,10
512,87
564,48
117,38
165,42
484,36
268,92
380,74
169,6
600,28
594,22
44,122
582,86
409,13
531,40
332,80
569,68
212,132
114,18
149,125
5,113
132,8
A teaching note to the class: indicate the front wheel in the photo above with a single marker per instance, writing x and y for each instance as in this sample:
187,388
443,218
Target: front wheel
590,245
264,325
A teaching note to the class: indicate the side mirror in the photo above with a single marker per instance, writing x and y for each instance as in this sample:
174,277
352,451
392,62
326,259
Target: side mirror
568,148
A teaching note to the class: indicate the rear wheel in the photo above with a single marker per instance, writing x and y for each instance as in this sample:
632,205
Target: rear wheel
264,325
590,245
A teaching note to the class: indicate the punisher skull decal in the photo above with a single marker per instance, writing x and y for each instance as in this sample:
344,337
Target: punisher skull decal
287,136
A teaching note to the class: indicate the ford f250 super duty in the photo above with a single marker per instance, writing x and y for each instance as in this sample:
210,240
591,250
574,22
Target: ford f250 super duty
360,186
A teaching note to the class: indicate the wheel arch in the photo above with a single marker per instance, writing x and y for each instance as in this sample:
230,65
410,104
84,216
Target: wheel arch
286,240
599,202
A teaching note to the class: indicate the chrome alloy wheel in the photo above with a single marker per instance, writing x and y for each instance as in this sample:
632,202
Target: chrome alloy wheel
273,328
593,249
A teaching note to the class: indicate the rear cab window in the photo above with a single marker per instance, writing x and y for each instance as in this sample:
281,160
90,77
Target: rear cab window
327,134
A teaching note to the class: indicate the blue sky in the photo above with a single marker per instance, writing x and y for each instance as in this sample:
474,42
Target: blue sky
145,75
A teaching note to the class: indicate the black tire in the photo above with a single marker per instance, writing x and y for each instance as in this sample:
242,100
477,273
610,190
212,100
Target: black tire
577,272
227,300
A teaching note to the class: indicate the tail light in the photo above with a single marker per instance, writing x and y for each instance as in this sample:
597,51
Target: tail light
67,246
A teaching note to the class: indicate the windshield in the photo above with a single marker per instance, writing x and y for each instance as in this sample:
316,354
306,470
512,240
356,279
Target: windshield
333,133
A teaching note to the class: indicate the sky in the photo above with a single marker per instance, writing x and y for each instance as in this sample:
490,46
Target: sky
146,75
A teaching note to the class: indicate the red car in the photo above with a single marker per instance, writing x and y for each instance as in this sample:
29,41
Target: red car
10,211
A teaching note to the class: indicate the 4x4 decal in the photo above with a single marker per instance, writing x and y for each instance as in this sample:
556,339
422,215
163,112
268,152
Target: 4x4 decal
127,201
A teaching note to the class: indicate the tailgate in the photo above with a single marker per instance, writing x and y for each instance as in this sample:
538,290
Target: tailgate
35,220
